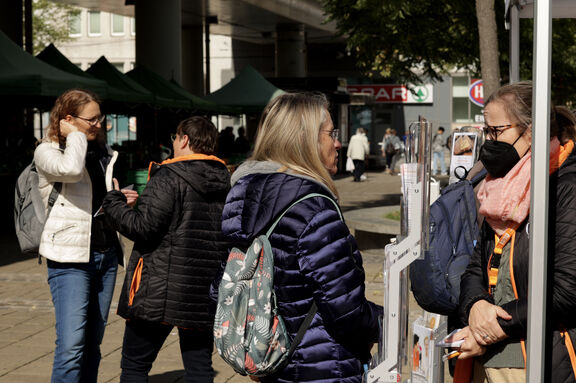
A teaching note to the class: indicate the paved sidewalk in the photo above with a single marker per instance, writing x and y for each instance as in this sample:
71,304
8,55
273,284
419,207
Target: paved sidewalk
27,320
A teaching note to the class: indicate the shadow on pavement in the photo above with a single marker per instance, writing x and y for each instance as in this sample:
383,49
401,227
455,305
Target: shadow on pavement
167,377
9,249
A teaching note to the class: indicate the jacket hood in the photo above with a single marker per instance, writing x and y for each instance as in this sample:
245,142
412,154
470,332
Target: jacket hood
203,175
569,166
267,167
260,192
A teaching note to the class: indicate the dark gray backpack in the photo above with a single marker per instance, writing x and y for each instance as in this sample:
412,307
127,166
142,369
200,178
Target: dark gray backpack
29,216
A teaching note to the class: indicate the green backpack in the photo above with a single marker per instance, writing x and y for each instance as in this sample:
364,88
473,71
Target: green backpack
249,334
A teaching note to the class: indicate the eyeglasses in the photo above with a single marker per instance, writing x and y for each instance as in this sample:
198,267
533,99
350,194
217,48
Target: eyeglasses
494,131
173,137
93,121
334,133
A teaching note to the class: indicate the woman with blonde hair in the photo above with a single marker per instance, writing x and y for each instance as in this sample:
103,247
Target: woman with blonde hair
82,251
494,288
316,259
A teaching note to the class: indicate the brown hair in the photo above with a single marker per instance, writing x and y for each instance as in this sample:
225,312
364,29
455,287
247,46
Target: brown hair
201,132
289,133
516,98
69,103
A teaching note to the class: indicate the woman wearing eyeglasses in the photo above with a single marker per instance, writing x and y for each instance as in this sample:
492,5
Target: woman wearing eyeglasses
316,259
494,288
82,251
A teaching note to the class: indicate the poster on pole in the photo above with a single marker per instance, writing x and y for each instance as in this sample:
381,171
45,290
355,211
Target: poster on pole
463,153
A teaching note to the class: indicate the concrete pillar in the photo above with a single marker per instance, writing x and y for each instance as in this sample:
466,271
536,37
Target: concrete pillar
290,57
192,60
159,37
11,20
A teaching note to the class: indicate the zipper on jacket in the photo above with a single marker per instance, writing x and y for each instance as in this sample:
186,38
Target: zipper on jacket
61,230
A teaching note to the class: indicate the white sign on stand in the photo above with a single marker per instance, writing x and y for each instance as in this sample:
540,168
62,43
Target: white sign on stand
464,146
426,358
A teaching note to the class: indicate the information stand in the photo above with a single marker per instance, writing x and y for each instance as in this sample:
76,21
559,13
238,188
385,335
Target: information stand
387,364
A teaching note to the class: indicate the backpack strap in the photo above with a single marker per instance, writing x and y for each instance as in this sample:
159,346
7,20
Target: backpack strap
303,327
311,195
56,189
314,308
478,177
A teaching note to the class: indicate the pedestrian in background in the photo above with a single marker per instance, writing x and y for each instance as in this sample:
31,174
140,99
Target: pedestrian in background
358,150
438,149
81,249
494,288
178,250
391,149
316,259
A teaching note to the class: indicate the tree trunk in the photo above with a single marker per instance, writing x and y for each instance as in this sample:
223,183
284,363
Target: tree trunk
488,37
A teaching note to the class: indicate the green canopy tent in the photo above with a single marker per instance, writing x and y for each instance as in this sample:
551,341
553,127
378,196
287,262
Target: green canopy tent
179,97
122,87
27,81
52,56
249,92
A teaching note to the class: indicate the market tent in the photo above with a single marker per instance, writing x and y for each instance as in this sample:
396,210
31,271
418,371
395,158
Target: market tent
27,79
122,88
178,97
51,55
249,91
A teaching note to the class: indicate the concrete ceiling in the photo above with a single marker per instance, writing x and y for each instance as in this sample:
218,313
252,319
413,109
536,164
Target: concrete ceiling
248,20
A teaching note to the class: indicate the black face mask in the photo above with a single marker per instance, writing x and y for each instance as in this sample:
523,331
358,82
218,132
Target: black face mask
499,157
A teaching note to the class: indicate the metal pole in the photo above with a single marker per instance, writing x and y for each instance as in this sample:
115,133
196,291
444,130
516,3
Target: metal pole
539,192
207,55
514,44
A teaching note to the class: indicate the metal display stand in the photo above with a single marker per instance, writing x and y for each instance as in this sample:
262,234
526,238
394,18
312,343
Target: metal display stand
399,255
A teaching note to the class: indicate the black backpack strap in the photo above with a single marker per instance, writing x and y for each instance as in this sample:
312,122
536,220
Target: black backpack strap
303,327
478,177
56,189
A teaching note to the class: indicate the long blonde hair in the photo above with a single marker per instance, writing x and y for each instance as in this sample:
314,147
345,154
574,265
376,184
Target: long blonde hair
69,103
289,133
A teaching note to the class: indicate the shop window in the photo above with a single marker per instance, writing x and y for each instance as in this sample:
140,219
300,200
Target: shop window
464,111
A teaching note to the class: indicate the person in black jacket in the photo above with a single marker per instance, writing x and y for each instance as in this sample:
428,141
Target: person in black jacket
494,288
178,251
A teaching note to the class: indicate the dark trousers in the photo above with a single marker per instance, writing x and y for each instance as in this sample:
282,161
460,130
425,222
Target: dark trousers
389,157
143,340
358,169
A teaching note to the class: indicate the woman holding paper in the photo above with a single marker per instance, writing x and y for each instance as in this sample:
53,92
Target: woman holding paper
82,252
494,288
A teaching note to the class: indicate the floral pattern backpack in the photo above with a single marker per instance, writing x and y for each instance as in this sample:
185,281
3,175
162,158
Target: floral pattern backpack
249,334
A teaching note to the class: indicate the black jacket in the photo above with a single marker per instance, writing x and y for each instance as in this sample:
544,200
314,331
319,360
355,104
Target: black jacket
178,245
561,274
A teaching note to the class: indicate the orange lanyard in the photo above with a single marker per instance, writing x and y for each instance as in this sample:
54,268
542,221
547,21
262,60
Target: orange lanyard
494,261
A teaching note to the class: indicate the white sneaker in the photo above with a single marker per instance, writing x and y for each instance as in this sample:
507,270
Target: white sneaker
363,177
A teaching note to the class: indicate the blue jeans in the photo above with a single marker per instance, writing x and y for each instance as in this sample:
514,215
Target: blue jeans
143,340
438,157
81,294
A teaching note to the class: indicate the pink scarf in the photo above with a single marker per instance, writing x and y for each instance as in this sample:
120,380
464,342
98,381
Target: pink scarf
505,201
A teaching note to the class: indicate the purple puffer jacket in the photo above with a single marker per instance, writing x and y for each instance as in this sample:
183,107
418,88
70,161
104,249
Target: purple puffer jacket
315,257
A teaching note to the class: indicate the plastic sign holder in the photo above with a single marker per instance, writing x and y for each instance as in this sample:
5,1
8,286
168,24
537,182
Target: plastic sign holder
399,255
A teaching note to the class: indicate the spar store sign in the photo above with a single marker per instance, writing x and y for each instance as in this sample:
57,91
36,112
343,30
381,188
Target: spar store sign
389,93
476,92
